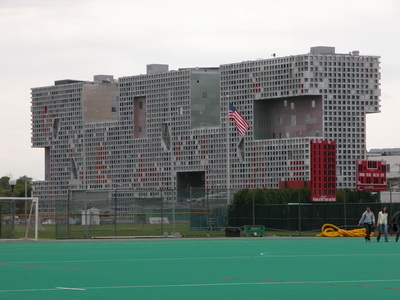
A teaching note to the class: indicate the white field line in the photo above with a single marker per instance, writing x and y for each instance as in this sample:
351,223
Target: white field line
203,285
260,255
69,288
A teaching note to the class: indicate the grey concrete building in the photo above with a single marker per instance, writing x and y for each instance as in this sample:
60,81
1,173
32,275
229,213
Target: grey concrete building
170,129
289,100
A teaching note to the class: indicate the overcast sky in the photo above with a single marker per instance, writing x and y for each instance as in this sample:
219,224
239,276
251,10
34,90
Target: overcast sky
47,40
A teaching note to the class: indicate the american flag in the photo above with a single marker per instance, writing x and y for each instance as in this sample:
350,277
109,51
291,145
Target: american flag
240,122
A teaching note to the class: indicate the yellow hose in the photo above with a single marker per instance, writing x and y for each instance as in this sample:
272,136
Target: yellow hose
330,230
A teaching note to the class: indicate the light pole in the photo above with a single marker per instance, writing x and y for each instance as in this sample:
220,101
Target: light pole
26,195
390,194
12,182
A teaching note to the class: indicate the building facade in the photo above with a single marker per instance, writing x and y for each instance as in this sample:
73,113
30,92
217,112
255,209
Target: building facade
391,156
170,129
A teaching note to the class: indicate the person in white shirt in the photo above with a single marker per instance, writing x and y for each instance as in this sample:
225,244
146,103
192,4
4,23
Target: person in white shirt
383,224
368,220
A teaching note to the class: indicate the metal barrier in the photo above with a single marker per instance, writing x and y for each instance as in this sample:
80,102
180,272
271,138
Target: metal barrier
94,213
301,217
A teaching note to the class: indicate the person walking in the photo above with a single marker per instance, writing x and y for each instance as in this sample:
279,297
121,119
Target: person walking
398,226
368,220
383,224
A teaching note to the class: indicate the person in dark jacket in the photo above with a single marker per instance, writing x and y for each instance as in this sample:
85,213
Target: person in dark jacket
398,226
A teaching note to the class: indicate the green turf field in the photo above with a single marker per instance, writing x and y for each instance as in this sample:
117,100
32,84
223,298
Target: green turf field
226,268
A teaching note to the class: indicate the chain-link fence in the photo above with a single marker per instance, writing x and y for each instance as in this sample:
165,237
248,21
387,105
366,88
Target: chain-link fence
301,217
127,213
18,218
7,219
110,213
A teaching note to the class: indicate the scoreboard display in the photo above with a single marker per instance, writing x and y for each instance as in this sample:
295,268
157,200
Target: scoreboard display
371,175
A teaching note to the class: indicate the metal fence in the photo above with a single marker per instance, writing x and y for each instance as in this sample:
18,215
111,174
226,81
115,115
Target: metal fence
18,218
102,213
303,217
7,215
125,213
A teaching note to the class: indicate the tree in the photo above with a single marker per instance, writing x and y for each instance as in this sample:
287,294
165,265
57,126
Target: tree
23,182
271,196
289,195
354,196
23,186
242,197
5,190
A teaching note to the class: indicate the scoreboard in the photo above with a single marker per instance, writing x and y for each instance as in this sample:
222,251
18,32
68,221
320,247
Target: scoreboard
371,175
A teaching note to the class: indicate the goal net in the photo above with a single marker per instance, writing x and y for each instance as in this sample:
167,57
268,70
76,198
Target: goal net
19,218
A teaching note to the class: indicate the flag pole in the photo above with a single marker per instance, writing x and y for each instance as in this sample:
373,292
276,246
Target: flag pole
241,126
228,161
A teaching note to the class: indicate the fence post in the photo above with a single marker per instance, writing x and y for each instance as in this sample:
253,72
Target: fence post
345,212
68,227
390,191
254,211
86,223
298,196
208,214
115,212
161,213
173,213
13,217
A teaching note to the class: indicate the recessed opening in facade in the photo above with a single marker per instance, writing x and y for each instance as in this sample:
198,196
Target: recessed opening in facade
191,185
139,117
288,117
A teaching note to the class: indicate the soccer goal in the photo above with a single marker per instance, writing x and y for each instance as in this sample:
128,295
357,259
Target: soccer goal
19,218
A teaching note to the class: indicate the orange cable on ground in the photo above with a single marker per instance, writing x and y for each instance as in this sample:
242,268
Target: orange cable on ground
330,230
